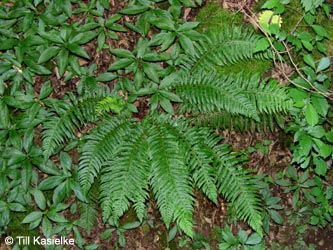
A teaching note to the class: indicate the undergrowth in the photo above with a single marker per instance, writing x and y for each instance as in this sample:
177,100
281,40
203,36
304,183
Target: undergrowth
192,81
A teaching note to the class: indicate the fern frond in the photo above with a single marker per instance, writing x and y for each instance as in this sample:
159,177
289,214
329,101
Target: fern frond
238,187
100,147
124,179
66,116
88,212
269,97
207,92
170,175
226,47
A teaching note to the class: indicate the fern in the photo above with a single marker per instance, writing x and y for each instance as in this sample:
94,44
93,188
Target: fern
125,176
226,47
65,117
168,156
207,95
100,147
89,212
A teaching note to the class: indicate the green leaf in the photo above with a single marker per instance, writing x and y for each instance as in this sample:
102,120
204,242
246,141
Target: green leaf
50,182
8,44
188,26
311,115
65,161
16,207
62,61
45,91
134,9
166,105
276,217
308,59
39,198
254,239
39,69
163,23
170,96
77,50
186,44
150,71
324,63
262,45
270,4
47,227
122,53
83,38
131,225
320,104
4,114
33,216
48,54
106,77
320,31
121,64
56,217
321,166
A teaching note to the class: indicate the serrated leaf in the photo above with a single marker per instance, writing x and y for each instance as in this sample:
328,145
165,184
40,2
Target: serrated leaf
311,115
320,31
48,54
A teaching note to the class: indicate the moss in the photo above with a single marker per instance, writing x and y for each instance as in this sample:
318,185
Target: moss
213,17
16,228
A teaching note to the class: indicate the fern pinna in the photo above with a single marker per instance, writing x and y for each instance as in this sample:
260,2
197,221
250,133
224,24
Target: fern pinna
170,157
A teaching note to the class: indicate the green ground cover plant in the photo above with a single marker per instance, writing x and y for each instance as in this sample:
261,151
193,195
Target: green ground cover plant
79,141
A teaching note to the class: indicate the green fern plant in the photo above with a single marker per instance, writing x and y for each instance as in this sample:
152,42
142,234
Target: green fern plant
168,155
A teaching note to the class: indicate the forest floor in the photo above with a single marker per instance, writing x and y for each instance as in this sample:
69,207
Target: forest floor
270,155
